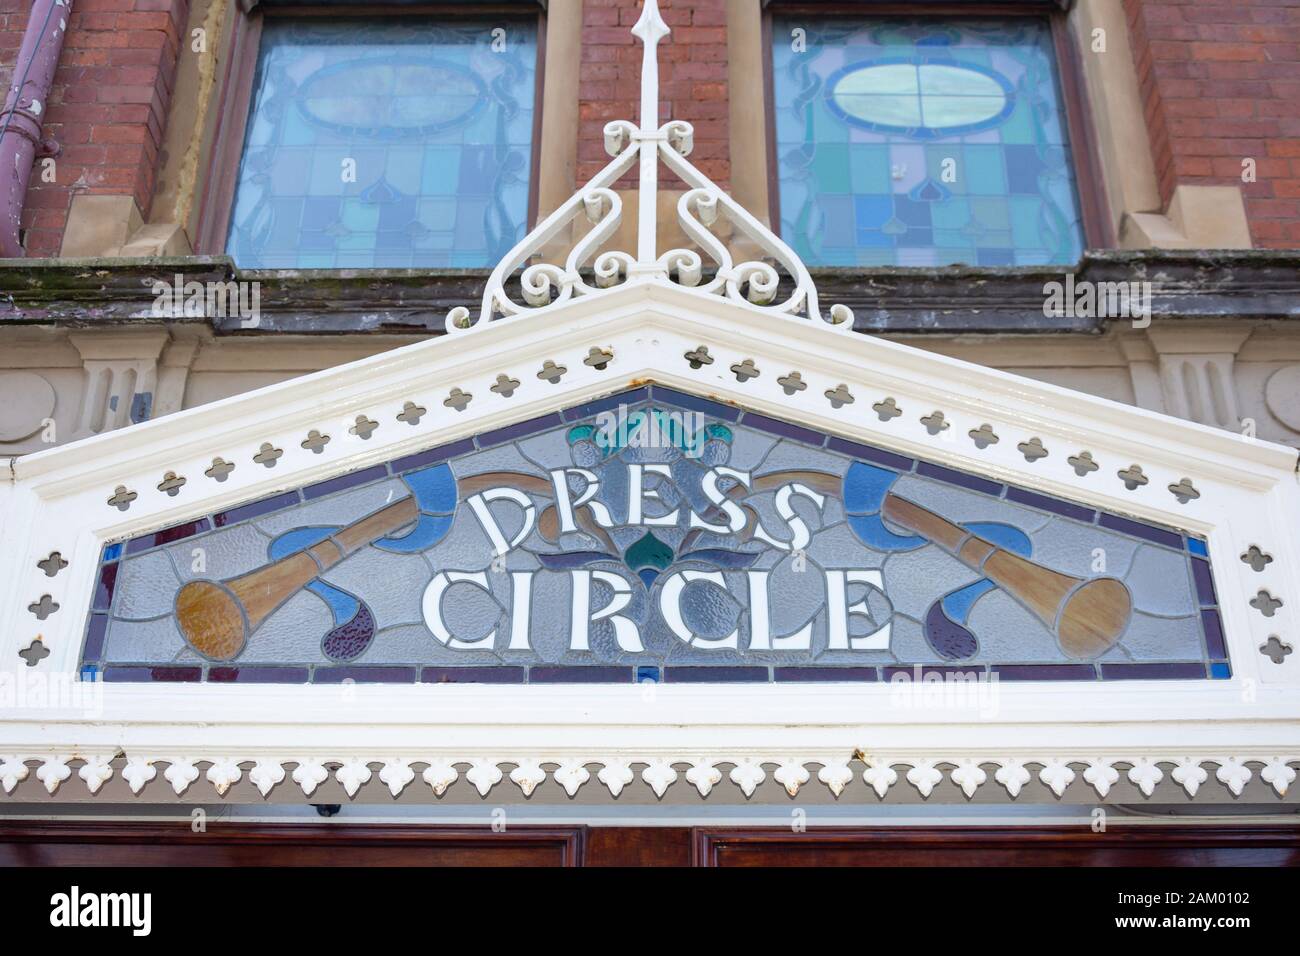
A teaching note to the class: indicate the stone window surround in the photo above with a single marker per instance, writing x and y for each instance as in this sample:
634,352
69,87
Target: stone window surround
1205,217
205,101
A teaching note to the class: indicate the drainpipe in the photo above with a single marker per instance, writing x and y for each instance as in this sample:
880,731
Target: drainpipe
24,109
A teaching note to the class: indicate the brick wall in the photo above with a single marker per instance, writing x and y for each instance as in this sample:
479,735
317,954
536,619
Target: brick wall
1221,83
692,78
107,108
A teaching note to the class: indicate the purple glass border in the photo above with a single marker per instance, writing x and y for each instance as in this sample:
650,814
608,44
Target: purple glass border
258,674
813,673
581,674
470,674
170,535
518,430
104,586
1140,529
256,509
343,482
958,478
1056,506
431,456
715,673
363,674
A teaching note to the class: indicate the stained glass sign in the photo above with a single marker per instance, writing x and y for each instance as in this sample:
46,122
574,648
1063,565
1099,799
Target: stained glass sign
655,535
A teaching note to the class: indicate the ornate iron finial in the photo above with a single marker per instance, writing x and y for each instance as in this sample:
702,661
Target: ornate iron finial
755,283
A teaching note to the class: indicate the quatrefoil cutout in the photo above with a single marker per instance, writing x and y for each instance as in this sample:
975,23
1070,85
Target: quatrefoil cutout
1133,477
411,413
34,653
1184,491
44,607
171,484
1275,649
1257,559
268,455
122,498
699,357
458,400
363,427
1265,603
505,386
792,383
315,442
983,436
53,564
1033,450
935,422
886,409
839,396
1083,463
220,469
551,372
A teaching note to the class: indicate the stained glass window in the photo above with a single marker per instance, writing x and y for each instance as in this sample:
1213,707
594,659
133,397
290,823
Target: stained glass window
593,544
922,143
386,144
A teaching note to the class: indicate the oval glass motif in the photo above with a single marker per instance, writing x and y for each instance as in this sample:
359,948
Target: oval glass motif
391,98
923,99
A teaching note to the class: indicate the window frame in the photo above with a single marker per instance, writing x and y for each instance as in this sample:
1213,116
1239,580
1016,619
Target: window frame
1089,184
236,100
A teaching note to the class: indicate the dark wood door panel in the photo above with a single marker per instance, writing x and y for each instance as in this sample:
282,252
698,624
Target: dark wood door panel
1192,846
637,846
174,844
106,843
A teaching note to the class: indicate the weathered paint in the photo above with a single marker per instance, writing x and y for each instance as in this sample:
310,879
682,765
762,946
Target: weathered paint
24,111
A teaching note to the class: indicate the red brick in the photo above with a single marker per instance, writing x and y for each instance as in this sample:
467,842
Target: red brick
99,6
125,94
1227,91
119,134
93,21
161,22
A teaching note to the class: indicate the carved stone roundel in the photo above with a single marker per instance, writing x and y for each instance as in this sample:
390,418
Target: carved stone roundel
1282,393
29,400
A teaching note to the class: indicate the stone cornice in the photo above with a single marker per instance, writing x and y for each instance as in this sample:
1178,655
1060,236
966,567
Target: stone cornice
1254,285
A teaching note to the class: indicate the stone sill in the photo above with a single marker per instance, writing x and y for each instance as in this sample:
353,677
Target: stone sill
1200,284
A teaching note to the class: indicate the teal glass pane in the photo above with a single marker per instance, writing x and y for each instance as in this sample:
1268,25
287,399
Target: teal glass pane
403,143
923,142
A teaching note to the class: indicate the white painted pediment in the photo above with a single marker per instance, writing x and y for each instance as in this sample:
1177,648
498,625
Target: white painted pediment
647,332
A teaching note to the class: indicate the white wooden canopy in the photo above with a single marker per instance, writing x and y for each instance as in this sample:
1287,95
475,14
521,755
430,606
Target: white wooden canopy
642,315
57,500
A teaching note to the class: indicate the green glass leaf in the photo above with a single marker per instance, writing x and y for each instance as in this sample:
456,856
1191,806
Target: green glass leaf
648,552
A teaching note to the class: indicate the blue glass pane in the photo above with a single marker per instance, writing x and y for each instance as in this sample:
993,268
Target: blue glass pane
386,144
923,142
